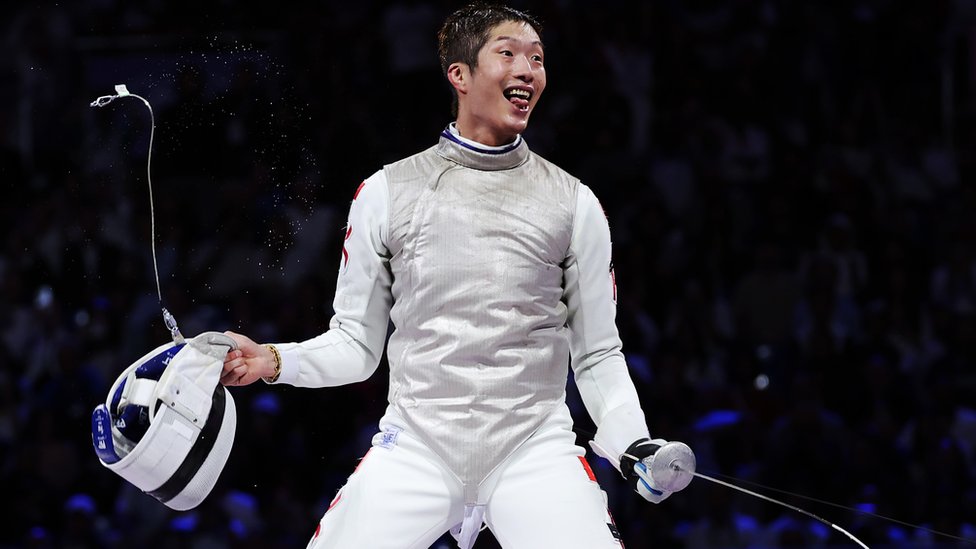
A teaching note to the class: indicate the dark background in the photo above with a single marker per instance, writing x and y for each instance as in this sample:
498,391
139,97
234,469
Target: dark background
789,184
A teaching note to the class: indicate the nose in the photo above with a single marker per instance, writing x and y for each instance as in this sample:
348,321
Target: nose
522,69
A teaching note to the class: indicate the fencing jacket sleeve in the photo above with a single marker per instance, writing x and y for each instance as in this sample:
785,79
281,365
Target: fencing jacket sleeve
597,360
351,349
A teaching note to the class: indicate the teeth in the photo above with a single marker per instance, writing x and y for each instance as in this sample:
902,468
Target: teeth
522,94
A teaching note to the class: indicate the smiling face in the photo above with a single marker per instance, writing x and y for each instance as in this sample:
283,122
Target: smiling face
496,97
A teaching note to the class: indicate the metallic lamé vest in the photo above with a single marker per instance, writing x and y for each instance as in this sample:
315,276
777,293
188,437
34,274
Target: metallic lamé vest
479,356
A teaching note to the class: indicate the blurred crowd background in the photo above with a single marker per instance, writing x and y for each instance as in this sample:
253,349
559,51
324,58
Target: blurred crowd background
790,189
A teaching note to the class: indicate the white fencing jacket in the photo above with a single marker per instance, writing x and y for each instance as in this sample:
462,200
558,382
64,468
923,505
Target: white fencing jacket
494,266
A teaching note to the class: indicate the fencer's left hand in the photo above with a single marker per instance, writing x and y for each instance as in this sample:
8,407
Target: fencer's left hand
633,467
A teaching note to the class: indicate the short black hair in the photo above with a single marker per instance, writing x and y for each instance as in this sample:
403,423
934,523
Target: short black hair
466,31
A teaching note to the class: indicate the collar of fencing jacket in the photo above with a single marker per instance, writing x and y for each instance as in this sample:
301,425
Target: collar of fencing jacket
470,154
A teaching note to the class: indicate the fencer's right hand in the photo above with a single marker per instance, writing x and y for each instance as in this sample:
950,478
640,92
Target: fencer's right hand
248,363
634,468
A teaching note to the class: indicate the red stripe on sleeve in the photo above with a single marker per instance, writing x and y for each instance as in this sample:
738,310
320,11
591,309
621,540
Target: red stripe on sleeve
586,467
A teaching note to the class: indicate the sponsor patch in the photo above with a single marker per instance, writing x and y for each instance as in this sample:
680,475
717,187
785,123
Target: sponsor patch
389,438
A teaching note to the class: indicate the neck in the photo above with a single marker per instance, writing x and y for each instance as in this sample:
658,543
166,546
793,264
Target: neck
483,134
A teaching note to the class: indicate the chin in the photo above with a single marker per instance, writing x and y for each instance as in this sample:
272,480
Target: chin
518,125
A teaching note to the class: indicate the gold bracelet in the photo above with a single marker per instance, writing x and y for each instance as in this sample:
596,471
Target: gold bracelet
277,359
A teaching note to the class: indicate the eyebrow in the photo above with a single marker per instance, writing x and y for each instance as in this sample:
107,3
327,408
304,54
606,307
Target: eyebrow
534,42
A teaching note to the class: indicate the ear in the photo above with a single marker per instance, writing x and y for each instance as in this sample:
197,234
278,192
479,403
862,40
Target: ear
459,75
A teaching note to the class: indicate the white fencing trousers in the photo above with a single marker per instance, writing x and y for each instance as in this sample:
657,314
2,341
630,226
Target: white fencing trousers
402,496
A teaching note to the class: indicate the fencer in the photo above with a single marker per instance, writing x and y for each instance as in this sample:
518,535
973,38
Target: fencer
494,266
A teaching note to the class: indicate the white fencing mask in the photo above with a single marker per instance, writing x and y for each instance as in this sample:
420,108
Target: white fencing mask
168,424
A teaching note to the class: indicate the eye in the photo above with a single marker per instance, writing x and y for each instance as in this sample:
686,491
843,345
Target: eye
507,53
537,58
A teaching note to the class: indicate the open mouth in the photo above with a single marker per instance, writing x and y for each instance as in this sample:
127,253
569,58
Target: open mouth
519,97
